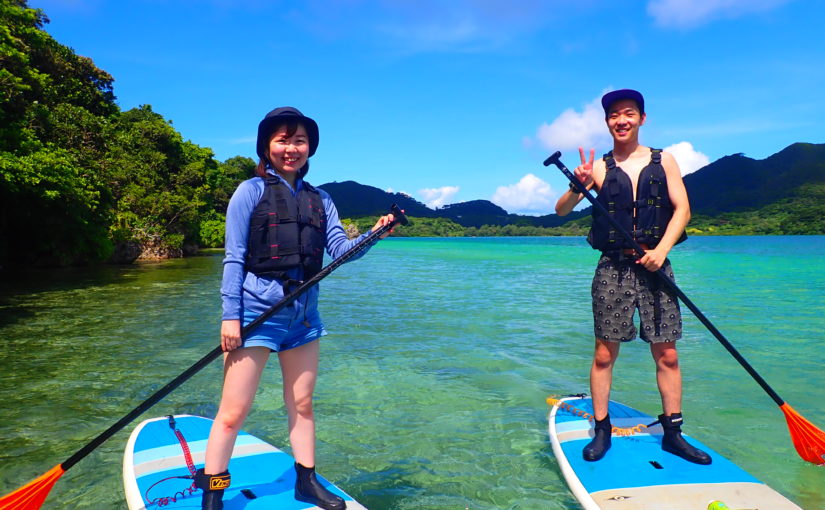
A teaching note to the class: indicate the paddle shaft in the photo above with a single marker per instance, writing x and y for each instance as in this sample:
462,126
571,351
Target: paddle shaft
554,160
371,239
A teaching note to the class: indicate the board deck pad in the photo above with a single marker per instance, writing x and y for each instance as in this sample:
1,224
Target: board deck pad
263,477
636,474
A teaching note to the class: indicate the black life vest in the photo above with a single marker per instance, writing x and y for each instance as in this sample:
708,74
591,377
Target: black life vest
650,212
286,231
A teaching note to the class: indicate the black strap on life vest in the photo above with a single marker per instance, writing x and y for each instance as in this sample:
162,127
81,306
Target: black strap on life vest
652,193
613,191
619,205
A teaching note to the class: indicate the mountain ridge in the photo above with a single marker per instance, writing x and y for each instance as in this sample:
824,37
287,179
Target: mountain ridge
748,184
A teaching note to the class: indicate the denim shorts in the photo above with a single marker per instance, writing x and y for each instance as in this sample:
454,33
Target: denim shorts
620,287
288,329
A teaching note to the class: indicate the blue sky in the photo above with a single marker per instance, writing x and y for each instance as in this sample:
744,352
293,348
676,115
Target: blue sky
462,100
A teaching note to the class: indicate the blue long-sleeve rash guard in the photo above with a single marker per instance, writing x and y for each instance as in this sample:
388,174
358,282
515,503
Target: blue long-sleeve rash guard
241,289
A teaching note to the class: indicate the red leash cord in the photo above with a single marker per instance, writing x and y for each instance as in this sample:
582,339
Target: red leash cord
187,456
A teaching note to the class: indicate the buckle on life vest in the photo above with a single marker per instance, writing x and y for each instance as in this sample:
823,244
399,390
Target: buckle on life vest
290,284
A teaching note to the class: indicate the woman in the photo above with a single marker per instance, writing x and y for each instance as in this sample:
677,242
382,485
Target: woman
277,228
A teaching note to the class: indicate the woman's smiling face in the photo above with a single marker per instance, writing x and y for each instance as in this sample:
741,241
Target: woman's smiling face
289,153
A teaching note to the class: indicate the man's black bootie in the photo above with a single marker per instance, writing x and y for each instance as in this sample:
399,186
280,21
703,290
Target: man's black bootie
596,448
309,490
674,443
212,487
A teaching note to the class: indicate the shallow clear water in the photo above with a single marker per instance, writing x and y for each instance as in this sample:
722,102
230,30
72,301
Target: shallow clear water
434,378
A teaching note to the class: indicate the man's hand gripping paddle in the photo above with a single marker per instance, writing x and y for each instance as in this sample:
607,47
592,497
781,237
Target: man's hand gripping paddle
808,440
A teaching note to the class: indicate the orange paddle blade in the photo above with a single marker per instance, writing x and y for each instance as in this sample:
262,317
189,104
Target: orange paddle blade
808,440
32,495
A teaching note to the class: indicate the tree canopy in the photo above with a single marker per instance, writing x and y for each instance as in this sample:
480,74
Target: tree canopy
79,178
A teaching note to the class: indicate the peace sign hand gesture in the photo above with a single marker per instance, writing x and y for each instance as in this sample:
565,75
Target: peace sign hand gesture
584,172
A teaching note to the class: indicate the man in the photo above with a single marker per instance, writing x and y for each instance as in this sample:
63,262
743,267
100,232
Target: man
642,189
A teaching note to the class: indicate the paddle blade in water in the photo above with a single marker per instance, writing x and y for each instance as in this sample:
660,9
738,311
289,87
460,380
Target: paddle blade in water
32,495
807,438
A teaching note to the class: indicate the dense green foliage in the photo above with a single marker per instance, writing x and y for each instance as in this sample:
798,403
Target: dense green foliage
54,105
800,214
443,227
78,177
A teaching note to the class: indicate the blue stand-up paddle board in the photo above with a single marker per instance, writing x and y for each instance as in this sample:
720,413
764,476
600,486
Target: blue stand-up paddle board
263,477
636,474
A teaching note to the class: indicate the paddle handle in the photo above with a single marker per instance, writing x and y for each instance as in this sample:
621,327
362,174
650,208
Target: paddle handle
372,238
555,159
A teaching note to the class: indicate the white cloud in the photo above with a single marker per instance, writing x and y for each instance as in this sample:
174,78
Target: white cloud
463,34
692,13
573,129
457,26
437,197
420,26
401,192
687,157
530,195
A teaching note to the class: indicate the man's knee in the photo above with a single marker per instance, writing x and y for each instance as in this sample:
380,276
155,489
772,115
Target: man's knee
605,355
666,357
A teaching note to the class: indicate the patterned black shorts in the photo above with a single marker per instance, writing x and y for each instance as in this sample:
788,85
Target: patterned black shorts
619,289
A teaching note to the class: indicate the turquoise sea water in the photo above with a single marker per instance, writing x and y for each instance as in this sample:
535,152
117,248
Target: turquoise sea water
434,377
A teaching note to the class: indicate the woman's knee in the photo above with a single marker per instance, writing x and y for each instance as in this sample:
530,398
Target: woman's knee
231,420
301,405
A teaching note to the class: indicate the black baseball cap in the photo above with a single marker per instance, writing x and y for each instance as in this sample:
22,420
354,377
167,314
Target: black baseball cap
617,95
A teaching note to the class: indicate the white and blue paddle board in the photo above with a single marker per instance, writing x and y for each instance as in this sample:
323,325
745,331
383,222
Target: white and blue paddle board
263,477
637,474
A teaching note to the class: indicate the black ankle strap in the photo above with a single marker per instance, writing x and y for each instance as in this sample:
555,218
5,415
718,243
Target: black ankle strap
217,482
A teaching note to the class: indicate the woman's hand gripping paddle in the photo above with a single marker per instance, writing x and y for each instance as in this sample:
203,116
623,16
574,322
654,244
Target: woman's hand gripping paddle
808,440
32,495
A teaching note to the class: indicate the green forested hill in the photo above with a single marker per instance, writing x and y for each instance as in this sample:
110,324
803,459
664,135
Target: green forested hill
738,183
781,194
357,200
354,200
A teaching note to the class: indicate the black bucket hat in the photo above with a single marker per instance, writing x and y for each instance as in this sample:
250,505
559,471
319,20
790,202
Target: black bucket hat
279,116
